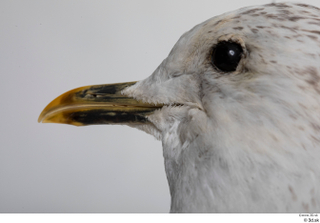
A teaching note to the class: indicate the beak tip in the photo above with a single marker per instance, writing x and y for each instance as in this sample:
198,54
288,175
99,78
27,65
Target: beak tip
41,118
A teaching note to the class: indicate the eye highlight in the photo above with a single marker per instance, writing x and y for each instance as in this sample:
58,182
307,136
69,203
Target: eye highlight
226,56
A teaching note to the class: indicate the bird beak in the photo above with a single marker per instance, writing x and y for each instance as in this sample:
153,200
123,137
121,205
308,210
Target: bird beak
97,104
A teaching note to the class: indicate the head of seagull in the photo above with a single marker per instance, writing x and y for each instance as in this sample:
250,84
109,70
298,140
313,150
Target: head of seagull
236,105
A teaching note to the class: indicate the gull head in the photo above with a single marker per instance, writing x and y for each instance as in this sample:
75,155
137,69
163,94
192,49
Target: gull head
236,105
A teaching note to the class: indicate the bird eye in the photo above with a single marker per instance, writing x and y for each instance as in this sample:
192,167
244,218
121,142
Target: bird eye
226,56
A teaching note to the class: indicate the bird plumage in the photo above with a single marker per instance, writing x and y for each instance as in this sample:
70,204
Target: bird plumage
246,141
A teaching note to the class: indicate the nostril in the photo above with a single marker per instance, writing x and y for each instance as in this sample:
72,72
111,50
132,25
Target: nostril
94,95
90,95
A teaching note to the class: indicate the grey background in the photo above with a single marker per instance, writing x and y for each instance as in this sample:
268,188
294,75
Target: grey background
49,47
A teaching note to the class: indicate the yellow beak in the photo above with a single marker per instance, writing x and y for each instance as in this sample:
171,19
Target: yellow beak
97,104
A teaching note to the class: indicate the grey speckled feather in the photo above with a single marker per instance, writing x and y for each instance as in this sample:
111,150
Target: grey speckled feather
246,141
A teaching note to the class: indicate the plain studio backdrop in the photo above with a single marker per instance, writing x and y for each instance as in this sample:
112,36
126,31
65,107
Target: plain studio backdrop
50,47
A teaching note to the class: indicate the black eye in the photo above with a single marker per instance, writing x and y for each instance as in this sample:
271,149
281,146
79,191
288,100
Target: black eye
226,56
